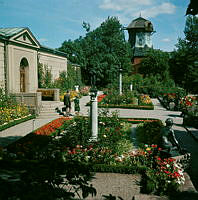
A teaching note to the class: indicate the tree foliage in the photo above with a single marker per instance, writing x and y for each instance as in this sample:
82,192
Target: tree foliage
101,52
192,8
67,80
155,64
184,61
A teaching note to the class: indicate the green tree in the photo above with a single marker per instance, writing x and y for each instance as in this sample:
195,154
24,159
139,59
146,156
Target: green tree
192,8
44,76
101,52
156,63
67,80
184,61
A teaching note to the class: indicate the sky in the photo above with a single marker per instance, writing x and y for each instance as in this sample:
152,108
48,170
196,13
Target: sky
54,21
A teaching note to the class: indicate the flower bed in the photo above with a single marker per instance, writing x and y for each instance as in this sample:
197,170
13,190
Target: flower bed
35,141
162,176
73,94
16,121
51,127
139,120
113,152
127,106
12,112
145,103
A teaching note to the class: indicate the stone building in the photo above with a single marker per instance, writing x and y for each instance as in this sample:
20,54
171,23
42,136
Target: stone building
140,31
20,53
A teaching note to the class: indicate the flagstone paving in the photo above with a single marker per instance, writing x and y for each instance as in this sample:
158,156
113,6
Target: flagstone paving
185,138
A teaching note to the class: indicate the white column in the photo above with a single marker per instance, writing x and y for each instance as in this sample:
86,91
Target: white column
77,88
131,87
120,83
94,119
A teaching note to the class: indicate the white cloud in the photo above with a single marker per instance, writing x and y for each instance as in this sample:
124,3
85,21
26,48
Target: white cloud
132,8
166,40
121,5
164,8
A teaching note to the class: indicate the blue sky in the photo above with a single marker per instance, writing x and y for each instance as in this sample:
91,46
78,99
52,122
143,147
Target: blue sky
54,21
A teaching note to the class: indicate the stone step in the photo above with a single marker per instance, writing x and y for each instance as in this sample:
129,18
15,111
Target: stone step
49,115
48,111
51,103
52,106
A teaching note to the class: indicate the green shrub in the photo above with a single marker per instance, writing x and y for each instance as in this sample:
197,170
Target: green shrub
76,132
149,132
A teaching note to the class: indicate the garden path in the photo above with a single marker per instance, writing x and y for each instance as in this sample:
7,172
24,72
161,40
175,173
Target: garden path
185,139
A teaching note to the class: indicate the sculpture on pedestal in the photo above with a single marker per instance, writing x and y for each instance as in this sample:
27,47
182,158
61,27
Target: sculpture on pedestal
170,145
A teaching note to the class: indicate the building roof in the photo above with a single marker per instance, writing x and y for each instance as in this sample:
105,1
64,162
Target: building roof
53,51
141,23
9,32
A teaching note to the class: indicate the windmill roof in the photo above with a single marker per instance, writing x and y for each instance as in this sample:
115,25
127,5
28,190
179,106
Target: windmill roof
141,23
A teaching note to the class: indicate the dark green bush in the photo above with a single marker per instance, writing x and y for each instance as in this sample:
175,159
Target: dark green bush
149,132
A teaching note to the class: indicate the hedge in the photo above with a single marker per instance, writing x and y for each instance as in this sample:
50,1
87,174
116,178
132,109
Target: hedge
127,106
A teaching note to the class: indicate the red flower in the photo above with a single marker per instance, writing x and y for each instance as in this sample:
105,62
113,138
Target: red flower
100,97
51,127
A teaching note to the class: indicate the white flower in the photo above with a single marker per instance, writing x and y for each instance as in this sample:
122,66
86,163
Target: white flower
167,165
104,136
87,158
102,123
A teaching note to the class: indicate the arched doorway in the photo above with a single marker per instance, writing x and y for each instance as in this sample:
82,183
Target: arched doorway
23,74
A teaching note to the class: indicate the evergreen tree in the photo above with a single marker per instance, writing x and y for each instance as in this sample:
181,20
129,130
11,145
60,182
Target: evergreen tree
184,61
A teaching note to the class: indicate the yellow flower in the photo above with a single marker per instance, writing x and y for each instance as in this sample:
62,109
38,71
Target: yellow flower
148,149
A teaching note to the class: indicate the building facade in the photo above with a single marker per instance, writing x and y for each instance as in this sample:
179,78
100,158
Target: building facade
20,53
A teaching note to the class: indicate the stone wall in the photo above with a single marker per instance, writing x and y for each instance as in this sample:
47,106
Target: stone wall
32,100
2,72
55,63
16,54
51,94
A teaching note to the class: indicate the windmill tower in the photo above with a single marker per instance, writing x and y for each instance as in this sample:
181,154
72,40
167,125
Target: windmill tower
140,31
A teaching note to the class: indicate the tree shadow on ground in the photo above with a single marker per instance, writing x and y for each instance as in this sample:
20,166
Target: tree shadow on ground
180,125
174,115
190,145
187,195
5,141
